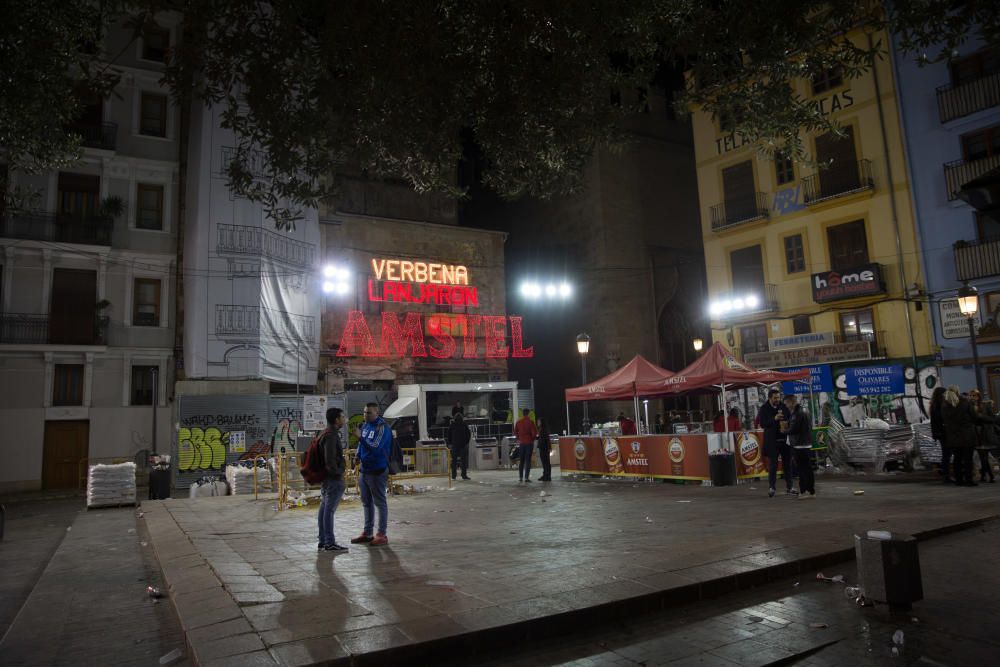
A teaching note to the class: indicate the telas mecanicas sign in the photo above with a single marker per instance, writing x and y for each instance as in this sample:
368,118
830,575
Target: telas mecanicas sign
858,281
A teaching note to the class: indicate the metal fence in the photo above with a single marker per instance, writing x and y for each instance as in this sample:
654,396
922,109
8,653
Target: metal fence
957,101
838,182
960,172
977,259
740,212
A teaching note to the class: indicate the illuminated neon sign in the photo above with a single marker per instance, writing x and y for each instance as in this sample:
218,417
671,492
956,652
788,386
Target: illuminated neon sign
400,270
440,295
406,338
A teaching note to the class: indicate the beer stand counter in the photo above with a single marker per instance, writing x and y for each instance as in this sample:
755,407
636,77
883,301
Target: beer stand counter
680,456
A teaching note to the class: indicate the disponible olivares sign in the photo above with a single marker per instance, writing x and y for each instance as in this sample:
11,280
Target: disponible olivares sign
405,334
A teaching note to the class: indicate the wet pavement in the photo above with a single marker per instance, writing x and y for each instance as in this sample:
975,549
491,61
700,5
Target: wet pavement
493,562
802,621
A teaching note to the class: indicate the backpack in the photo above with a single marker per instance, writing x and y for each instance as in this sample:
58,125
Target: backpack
313,468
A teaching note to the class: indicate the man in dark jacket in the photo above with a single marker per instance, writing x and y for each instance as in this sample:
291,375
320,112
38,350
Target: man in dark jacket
333,486
458,441
799,436
771,415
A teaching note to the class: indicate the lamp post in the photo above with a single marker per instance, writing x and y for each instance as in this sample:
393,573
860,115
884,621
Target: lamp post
583,347
968,304
698,344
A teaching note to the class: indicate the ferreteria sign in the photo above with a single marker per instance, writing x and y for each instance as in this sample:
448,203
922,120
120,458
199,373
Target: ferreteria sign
808,356
836,285
429,334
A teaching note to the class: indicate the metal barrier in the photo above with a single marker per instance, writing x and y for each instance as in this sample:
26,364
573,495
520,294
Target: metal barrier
424,462
256,468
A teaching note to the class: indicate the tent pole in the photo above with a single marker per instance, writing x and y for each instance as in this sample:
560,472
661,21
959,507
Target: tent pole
569,429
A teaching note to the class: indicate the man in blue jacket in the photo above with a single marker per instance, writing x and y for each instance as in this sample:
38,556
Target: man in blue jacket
374,446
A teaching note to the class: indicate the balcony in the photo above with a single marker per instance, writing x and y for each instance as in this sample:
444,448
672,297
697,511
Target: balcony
875,340
36,329
246,241
44,226
968,98
833,183
960,172
236,321
96,135
976,259
739,213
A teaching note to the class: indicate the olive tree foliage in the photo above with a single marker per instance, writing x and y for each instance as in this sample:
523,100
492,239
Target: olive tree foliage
399,89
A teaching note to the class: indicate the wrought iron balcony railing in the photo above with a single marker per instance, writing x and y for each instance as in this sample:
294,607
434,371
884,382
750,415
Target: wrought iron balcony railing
97,135
739,212
44,226
838,182
977,259
40,329
957,101
960,172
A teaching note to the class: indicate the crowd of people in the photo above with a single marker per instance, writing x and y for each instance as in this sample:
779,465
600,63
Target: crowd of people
963,423
787,429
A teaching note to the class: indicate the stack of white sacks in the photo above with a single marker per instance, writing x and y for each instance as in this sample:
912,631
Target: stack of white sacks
111,485
240,480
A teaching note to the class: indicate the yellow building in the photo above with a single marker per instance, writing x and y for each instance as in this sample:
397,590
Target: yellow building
811,266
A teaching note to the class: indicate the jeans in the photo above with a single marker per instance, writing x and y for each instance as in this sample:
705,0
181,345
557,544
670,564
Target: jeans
543,456
463,454
331,493
524,461
372,496
803,464
772,468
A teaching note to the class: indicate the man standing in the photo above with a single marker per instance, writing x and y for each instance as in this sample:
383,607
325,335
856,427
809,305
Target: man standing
771,416
544,450
526,433
626,425
374,444
333,486
800,441
458,441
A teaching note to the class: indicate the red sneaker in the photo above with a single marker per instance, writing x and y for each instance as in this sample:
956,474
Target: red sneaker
363,538
380,540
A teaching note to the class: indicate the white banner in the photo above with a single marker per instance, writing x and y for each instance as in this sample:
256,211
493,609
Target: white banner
251,294
314,412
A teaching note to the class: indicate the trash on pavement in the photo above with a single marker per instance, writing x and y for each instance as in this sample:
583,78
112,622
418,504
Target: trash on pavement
542,494
879,535
440,582
839,578
171,657
852,592
818,625
897,638
145,544
795,585
154,592
859,492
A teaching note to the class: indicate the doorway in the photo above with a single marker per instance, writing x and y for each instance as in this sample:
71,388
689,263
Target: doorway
66,444
73,312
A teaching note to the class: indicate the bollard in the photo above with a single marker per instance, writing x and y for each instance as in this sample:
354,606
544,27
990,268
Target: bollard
889,568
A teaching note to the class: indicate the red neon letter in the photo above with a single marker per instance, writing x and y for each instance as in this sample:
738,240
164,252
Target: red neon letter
469,348
448,344
496,332
517,340
411,333
356,334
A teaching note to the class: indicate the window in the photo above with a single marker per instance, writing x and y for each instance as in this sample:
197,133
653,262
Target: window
738,192
795,255
78,195
858,325
801,324
67,384
142,384
153,115
841,162
976,66
747,267
827,80
146,303
981,144
155,42
848,245
988,227
149,214
784,168
753,338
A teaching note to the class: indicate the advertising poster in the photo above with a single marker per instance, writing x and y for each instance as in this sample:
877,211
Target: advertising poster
873,380
662,456
314,413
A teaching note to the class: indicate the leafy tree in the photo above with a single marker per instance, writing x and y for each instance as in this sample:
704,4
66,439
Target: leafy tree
397,89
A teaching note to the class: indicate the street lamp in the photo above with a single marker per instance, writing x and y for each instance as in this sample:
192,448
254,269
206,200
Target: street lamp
698,344
968,303
583,347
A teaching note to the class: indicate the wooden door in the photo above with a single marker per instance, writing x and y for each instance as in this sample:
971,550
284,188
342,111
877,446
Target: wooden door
737,184
66,444
72,311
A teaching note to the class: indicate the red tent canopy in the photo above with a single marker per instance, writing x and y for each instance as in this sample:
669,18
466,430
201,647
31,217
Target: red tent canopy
622,383
716,367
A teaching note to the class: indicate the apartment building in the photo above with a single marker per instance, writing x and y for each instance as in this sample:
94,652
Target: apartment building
87,322
818,267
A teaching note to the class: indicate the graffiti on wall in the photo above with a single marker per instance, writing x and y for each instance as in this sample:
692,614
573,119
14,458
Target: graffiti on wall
287,426
203,440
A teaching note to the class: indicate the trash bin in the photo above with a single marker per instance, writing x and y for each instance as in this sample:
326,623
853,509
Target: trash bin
159,482
722,469
486,456
889,568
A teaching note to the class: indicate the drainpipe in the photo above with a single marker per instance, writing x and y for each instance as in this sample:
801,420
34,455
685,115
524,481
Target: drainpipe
895,220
